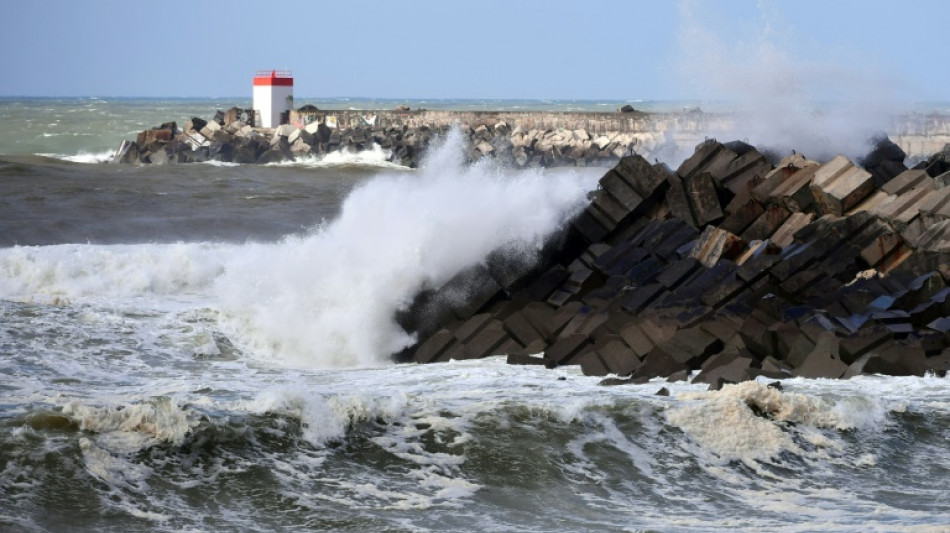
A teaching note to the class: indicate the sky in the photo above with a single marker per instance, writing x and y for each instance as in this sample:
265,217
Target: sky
490,49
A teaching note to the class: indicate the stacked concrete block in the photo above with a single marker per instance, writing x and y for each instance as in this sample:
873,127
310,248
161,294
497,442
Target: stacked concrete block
810,275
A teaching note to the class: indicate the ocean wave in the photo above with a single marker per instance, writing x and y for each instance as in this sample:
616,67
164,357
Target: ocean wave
62,273
375,157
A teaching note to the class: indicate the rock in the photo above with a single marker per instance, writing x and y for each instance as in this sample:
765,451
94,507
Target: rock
627,108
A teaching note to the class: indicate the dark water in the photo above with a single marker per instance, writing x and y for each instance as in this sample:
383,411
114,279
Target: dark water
49,201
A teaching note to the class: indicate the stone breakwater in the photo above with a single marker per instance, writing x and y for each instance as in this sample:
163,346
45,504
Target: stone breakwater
522,139
725,269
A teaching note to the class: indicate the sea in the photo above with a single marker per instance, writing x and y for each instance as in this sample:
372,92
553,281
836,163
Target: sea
206,348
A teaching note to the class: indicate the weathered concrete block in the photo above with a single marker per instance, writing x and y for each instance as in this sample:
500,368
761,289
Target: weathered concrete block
794,192
620,189
730,367
742,217
677,272
618,357
892,360
487,341
522,359
715,244
644,178
434,347
659,363
637,339
908,180
785,234
823,361
838,185
767,224
642,297
565,348
591,364
701,191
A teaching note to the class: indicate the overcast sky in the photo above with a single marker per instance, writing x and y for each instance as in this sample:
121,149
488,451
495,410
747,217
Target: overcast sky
534,49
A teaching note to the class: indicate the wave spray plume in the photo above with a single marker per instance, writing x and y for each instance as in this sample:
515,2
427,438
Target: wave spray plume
328,298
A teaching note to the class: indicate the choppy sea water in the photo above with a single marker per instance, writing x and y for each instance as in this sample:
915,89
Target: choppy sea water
203,348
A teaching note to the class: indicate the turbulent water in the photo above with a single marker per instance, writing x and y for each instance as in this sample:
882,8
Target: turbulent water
204,348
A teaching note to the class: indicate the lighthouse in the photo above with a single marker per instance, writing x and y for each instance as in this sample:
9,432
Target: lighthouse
273,97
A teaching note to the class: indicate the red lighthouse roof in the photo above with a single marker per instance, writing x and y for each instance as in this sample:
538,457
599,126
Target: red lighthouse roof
274,77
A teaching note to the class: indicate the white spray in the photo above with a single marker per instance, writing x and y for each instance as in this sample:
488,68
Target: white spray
820,105
329,298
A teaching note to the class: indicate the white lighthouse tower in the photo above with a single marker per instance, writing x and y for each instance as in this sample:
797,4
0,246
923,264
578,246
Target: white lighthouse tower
273,97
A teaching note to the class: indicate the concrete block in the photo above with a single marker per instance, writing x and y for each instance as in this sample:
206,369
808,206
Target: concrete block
740,173
785,169
645,179
637,339
589,227
620,189
701,157
892,360
715,244
839,185
488,341
672,276
822,362
522,359
784,235
678,202
434,347
908,180
794,192
701,192
521,329
565,348
767,224
659,363
591,364
642,297
472,326
742,217
618,357
732,368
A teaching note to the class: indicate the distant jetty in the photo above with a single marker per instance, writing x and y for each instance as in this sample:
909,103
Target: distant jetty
521,139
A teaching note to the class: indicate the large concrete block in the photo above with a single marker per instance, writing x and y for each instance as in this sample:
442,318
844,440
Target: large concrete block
489,340
620,189
715,244
435,346
794,192
839,185
566,348
644,178
521,329
618,357
892,360
908,180
701,191
767,223
742,217
659,363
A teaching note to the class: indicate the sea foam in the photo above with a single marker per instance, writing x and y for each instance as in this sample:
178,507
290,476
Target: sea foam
328,298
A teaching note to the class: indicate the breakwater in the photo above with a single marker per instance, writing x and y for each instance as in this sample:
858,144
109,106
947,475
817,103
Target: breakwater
725,269
521,138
